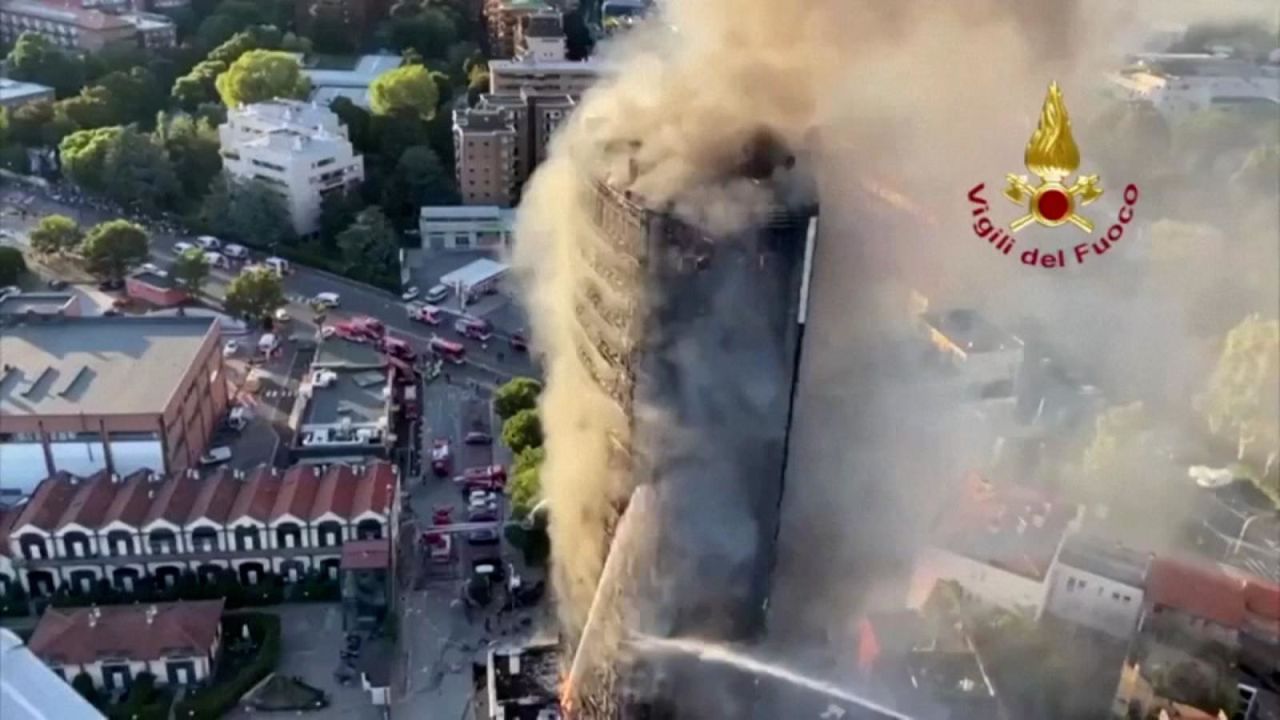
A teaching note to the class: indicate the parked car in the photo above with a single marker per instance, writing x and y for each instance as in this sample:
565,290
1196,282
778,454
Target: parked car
151,268
429,314
11,290
230,348
237,419
282,315
410,293
519,342
216,456
237,252
477,437
437,293
182,248
110,285
483,537
327,300
279,266
209,242
57,284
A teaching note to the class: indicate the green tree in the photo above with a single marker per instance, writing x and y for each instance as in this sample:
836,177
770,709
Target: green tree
515,395
84,155
92,108
193,149
250,212
357,120
370,250
477,85
35,58
191,270
111,249
331,33
525,488
83,684
419,179
430,32
1240,400
12,265
55,235
254,294
38,124
1109,459
134,96
261,75
139,172
337,211
407,89
522,430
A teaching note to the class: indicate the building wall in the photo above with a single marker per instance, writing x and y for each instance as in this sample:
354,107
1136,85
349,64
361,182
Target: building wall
992,585
158,296
199,664
65,34
489,229
563,78
486,167
196,407
1099,603
13,103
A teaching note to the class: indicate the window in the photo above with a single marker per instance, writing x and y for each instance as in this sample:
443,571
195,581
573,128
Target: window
1071,584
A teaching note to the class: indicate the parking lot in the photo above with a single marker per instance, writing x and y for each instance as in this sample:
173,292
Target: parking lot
311,638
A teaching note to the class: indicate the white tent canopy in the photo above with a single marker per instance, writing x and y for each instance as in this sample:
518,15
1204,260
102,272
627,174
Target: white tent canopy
474,274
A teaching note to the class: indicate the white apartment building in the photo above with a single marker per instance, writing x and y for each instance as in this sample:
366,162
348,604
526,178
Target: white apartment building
1098,585
546,77
76,531
300,150
541,38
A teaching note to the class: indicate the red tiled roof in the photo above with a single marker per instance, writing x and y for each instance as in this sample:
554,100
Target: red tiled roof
1260,598
336,493
66,636
89,503
297,493
216,497
375,490
48,501
131,501
257,495
1198,590
173,499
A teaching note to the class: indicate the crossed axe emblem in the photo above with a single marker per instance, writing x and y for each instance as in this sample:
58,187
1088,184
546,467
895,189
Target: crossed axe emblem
1021,192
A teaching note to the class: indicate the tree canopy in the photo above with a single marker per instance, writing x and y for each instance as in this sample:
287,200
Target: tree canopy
193,149
525,488
55,234
522,430
407,89
1109,459
515,395
191,270
249,212
121,163
260,75
111,249
12,265
254,294
36,59
1240,400
370,250
419,179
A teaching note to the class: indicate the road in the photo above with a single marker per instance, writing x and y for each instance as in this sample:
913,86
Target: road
489,363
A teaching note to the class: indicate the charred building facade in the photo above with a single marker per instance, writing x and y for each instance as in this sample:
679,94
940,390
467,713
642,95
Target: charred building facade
696,336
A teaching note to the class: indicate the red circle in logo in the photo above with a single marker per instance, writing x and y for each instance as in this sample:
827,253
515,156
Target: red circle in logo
1054,205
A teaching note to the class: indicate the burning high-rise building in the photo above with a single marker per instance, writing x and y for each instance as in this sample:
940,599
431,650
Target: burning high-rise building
710,357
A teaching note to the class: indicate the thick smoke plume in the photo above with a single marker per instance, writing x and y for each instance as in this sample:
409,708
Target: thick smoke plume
922,97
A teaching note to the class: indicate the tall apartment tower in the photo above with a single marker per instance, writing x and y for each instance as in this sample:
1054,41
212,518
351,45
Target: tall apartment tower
715,351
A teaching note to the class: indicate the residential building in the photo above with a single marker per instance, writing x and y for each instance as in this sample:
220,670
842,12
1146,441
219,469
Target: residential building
486,157
761,271
924,668
982,354
1098,584
298,150
29,690
78,26
15,93
1190,602
1180,84
76,531
8,575
178,643
155,288
361,17
540,38
468,227
549,77
345,412
997,542
504,18
71,400
330,84
39,303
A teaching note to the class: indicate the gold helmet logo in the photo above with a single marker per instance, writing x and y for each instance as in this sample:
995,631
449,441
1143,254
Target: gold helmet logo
1052,156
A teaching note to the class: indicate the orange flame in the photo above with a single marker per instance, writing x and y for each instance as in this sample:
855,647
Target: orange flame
566,698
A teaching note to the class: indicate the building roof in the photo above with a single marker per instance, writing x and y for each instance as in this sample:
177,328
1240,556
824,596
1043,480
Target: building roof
90,365
262,494
325,95
334,352
67,12
30,691
356,396
40,303
366,70
1008,527
77,636
1106,559
971,332
161,281
286,114
544,67
474,273
1196,589
366,554
486,120
16,89
545,25
455,213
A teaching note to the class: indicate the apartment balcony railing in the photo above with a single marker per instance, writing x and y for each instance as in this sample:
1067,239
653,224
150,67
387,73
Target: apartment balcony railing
112,559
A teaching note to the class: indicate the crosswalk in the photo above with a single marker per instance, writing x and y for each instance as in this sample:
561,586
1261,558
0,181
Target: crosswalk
279,393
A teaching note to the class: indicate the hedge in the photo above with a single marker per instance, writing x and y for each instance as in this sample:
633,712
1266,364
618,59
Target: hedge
219,699
144,701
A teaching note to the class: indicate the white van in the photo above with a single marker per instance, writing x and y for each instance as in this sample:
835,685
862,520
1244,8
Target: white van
278,265
268,343
209,242
217,260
